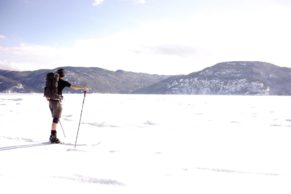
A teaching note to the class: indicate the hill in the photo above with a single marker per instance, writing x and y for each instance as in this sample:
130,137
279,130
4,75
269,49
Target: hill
99,80
228,78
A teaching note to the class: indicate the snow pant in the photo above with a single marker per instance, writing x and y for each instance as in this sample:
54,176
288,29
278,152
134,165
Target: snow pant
56,110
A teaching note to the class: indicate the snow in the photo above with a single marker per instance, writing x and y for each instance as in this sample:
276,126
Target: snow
147,144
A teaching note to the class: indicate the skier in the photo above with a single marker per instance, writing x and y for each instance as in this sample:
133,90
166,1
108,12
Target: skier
55,105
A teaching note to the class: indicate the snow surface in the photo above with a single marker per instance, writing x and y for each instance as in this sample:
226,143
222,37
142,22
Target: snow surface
147,144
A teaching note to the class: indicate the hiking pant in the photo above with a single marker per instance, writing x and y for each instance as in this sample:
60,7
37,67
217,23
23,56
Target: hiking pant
56,110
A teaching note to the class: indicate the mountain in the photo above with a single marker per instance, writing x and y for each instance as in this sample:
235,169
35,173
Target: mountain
97,79
229,78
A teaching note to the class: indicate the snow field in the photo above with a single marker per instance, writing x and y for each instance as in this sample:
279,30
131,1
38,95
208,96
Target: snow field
147,144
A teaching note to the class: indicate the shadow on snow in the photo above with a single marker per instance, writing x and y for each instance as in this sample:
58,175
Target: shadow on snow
7,148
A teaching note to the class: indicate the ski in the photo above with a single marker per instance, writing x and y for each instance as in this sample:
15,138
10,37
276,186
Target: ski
65,144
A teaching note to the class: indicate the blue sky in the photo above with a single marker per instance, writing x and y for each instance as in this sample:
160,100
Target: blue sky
152,36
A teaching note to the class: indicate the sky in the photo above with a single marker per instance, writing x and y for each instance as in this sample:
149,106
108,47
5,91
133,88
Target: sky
150,36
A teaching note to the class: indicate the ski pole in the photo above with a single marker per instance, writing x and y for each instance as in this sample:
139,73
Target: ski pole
62,129
80,119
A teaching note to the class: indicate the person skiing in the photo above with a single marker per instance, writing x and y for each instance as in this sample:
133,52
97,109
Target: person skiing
55,104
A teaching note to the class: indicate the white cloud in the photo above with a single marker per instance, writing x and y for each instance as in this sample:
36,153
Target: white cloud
2,37
140,1
28,57
97,2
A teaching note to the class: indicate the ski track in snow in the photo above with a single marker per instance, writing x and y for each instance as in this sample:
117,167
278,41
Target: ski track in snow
84,179
147,144
217,170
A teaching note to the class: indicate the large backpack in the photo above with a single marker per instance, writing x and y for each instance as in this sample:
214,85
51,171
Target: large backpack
51,86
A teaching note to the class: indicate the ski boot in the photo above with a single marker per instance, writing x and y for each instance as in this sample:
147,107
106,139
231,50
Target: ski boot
53,137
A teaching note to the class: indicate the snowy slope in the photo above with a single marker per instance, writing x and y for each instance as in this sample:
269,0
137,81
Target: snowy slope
147,144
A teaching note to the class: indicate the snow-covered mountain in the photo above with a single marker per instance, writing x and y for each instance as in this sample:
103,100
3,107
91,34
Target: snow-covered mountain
230,78
99,80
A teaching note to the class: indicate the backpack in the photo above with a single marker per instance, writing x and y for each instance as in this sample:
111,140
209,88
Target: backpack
51,86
